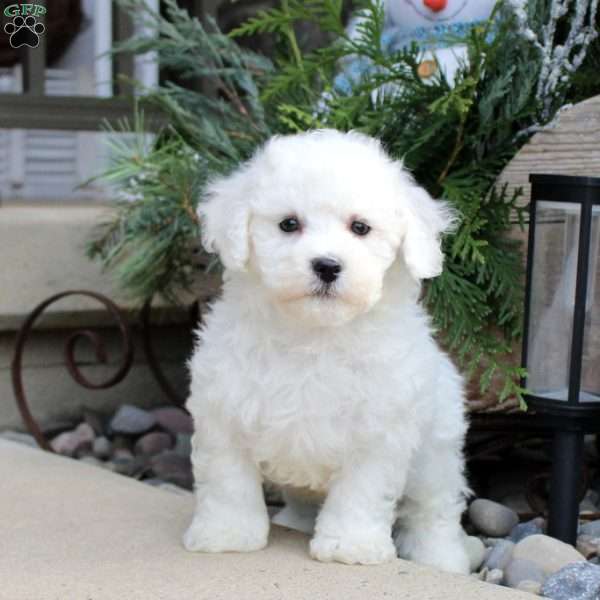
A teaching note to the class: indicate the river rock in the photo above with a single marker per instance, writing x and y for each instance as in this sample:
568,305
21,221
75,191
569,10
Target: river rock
475,551
183,444
533,587
576,581
132,420
588,546
589,504
174,420
70,443
494,576
491,518
500,555
173,468
522,569
522,530
152,443
548,553
591,528
102,447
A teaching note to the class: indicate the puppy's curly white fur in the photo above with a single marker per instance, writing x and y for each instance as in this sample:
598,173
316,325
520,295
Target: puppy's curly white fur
316,368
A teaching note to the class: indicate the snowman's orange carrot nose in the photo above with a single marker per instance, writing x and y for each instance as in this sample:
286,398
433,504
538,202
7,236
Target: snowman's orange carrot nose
435,5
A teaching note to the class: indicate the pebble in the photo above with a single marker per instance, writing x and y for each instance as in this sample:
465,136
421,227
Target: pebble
154,481
577,581
522,530
522,569
174,420
585,508
125,463
475,551
491,518
494,576
500,555
132,420
20,438
588,546
153,443
533,587
173,468
102,447
591,528
183,444
548,553
122,454
69,443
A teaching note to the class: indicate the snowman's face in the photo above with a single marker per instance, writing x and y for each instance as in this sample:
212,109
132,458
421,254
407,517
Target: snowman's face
410,14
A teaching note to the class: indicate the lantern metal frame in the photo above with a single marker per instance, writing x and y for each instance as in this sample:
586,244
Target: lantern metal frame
570,419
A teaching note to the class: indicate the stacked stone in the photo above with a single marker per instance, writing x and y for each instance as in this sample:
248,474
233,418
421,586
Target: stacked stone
151,445
521,556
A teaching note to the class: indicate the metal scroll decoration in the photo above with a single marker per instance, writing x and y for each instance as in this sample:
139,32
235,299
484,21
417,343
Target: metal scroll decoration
69,354
160,377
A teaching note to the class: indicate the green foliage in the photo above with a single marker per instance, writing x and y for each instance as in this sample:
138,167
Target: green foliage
456,139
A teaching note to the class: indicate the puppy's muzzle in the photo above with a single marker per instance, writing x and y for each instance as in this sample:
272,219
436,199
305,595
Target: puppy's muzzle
326,269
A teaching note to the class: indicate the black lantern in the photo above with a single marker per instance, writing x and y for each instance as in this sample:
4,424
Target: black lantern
561,348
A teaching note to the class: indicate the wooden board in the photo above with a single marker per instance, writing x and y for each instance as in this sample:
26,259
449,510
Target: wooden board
570,148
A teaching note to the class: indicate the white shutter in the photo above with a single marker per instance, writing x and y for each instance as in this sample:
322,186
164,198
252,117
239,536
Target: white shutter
3,165
48,164
48,156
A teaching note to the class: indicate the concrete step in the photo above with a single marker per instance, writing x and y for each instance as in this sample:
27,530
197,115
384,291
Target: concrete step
42,252
70,530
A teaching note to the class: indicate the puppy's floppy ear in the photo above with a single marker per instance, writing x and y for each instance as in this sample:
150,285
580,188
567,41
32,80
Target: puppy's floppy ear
224,214
427,221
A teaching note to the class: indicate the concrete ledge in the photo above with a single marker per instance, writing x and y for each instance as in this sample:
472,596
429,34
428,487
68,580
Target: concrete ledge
52,393
70,530
42,249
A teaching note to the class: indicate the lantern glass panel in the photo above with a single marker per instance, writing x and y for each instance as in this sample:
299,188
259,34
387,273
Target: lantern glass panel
552,298
590,368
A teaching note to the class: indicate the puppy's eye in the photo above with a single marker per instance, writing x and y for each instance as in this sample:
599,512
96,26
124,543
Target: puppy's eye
289,225
359,228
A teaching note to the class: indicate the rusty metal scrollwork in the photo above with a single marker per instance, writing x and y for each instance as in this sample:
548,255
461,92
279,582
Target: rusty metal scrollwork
160,377
69,353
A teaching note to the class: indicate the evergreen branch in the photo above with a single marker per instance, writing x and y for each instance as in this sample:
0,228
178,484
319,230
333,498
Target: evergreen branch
456,139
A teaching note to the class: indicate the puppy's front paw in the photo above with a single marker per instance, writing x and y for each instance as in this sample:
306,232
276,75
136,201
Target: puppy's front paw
353,548
205,535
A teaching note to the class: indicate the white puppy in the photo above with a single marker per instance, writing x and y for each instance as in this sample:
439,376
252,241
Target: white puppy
316,369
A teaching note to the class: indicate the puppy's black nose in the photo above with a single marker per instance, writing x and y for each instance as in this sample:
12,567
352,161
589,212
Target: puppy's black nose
327,269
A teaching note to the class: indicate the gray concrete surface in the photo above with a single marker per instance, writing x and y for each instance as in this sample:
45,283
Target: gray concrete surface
42,252
70,531
52,393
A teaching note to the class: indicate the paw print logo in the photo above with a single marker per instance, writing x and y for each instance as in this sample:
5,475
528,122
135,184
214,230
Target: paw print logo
24,31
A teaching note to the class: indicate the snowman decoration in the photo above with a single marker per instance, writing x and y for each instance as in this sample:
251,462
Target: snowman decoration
429,23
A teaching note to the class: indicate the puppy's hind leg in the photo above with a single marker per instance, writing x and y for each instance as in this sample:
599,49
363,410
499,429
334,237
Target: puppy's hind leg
231,515
429,531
